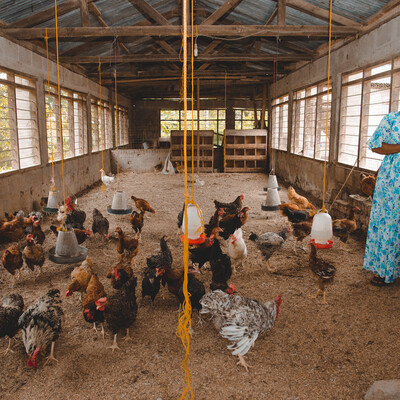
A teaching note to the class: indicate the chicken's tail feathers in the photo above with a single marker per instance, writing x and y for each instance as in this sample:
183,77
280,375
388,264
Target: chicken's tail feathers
253,237
152,210
242,338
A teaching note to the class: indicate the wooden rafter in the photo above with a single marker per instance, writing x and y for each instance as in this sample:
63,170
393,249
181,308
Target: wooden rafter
281,19
309,31
149,12
84,13
272,16
228,6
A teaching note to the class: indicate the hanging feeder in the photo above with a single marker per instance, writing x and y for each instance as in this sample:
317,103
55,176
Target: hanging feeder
272,182
272,202
195,226
321,230
67,249
119,204
52,202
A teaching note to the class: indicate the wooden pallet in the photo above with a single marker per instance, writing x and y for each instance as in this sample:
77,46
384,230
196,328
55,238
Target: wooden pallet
206,149
246,150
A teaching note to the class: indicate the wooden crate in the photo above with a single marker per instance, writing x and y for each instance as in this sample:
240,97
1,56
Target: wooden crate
206,148
246,150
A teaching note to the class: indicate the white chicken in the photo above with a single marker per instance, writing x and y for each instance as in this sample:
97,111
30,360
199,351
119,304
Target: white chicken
237,249
107,180
240,319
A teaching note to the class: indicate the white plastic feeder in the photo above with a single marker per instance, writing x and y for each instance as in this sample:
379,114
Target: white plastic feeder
273,200
119,204
52,202
272,182
67,249
321,230
195,227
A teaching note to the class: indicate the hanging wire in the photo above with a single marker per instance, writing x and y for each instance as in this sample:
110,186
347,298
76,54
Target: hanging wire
59,104
53,187
327,105
116,101
101,128
226,113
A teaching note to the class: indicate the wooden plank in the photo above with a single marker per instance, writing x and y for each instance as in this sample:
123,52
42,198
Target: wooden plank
228,6
85,21
272,16
383,11
264,106
246,132
281,20
260,146
146,9
388,12
309,31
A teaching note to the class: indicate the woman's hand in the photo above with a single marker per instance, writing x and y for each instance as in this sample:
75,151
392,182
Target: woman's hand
387,149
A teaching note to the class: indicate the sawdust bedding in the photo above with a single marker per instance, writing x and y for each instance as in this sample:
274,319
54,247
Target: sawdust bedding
313,352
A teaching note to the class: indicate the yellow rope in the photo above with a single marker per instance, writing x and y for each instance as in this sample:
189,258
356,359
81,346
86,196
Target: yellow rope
100,130
327,105
59,103
53,188
116,117
185,316
192,65
226,116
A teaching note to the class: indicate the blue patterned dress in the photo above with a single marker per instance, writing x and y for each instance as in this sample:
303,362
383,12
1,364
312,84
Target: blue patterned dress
382,251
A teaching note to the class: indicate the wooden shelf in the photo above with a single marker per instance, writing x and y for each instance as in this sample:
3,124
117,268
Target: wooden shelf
206,149
246,150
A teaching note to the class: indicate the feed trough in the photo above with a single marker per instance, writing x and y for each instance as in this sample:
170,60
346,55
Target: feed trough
119,205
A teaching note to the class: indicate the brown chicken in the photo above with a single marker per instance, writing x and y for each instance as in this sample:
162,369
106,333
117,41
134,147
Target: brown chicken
214,222
136,219
343,227
322,271
129,247
94,291
120,273
142,205
37,233
230,208
13,231
301,201
368,184
12,261
80,277
33,254
229,223
301,230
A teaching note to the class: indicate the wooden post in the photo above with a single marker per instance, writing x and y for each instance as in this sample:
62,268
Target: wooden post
281,12
255,107
198,126
264,105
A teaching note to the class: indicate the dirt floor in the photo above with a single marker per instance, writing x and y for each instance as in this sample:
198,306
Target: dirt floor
313,352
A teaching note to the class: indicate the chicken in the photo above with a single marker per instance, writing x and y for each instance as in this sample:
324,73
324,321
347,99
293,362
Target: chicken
230,223
136,220
150,284
269,242
142,205
128,247
120,310
221,269
293,215
322,271
41,326
343,227
81,234
237,249
196,289
107,180
241,320
33,254
180,218
214,222
94,292
180,168
368,183
80,277
301,230
37,233
164,258
119,274
230,208
11,308
13,230
100,223
301,201
12,261
201,254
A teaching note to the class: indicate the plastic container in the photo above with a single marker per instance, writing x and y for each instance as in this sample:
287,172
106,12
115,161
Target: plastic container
321,230
273,200
67,244
119,201
195,227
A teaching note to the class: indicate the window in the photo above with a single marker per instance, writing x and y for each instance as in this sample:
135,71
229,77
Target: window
280,110
309,121
244,118
73,123
19,136
101,125
123,126
365,101
209,120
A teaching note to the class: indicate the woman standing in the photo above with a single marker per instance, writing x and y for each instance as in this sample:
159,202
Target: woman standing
382,251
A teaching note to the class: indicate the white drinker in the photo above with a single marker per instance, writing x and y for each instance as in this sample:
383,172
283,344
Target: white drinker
272,182
273,199
119,201
67,244
52,201
321,230
194,222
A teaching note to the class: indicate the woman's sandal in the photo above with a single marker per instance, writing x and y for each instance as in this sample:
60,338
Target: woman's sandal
377,281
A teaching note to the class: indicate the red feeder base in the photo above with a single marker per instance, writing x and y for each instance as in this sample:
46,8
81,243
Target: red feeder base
322,245
200,240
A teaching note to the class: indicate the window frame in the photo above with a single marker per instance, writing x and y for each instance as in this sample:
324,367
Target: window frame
278,104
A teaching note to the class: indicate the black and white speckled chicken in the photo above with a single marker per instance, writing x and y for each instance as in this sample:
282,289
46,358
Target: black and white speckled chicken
41,326
241,320
11,308
269,242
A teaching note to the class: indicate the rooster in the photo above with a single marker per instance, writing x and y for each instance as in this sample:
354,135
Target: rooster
237,249
241,320
300,201
41,326
11,308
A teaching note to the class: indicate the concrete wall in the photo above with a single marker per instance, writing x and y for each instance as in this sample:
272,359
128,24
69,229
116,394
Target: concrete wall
377,46
138,160
23,189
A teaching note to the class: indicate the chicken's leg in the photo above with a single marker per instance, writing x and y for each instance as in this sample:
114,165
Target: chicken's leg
102,330
318,293
94,327
51,356
8,349
127,337
114,345
324,296
243,363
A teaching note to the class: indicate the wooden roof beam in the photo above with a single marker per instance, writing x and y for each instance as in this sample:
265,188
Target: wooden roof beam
385,14
309,31
85,21
149,12
227,7
281,7
272,16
